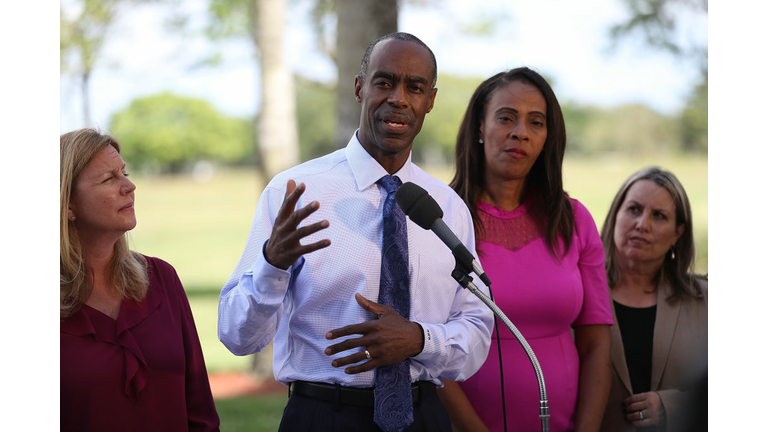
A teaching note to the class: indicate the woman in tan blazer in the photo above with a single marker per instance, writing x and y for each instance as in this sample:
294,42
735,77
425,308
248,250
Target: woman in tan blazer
659,341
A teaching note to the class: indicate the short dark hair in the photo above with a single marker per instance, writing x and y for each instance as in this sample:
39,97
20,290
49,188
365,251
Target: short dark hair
546,175
400,36
678,271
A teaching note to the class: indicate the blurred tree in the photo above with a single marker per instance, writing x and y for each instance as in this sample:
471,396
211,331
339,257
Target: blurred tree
83,27
657,21
577,120
436,142
629,129
263,22
170,132
317,118
358,23
694,119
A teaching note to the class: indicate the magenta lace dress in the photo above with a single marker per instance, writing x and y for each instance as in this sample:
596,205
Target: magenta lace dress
544,298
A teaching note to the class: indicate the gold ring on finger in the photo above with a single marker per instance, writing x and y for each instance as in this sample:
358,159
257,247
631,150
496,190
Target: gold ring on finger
368,356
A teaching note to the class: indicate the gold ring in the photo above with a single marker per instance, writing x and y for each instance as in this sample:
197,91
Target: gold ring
641,414
368,356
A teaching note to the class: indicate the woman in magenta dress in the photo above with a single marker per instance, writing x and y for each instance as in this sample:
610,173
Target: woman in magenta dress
130,357
543,254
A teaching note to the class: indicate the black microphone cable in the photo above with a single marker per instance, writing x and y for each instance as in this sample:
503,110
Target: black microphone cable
501,364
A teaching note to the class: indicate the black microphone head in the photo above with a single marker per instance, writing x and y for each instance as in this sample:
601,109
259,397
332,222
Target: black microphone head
418,205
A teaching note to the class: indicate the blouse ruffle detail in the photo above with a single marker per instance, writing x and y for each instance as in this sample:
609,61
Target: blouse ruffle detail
118,333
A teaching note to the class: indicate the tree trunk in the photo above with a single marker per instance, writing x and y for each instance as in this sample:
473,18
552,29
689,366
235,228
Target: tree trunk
86,98
261,364
277,130
360,22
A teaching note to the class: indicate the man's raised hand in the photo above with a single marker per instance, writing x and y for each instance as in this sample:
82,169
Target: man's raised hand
284,247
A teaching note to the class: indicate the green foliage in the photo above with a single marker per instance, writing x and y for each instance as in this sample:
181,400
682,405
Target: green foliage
82,34
694,119
437,138
629,129
316,116
171,131
231,18
657,20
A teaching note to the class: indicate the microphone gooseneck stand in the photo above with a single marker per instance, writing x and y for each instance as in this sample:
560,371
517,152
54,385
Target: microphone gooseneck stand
465,281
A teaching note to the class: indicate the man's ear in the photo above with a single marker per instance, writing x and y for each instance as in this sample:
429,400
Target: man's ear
432,95
359,81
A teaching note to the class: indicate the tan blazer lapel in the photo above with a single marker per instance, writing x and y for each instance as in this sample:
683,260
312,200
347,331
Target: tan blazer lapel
617,352
663,332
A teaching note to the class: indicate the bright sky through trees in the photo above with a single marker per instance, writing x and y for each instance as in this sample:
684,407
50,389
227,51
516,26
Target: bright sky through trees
567,41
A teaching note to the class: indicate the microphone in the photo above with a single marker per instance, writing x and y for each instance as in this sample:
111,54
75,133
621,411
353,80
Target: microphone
426,213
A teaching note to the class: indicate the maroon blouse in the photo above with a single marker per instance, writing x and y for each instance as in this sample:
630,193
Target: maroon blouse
142,372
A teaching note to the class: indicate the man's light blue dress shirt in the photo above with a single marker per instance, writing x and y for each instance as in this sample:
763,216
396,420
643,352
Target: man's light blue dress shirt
298,306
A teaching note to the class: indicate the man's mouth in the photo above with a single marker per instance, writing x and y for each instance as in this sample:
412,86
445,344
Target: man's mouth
395,119
395,124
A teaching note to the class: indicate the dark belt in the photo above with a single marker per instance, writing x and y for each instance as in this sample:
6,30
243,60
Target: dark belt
358,396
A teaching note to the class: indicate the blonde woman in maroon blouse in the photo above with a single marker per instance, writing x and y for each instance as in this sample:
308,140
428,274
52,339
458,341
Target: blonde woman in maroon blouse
130,357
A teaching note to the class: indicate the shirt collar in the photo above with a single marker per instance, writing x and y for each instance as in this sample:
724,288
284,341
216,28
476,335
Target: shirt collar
366,170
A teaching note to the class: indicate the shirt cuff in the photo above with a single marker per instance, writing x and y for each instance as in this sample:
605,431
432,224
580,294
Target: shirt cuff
267,272
430,351
270,283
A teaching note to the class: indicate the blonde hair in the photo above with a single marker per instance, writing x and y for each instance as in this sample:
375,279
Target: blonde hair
128,269
678,271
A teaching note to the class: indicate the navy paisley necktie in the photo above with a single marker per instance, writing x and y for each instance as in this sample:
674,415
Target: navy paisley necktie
393,409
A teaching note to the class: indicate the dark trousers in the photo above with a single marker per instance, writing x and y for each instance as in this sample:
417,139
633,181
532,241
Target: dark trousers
304,414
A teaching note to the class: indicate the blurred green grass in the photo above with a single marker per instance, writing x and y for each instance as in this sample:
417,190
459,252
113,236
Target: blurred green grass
251,413
201,228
